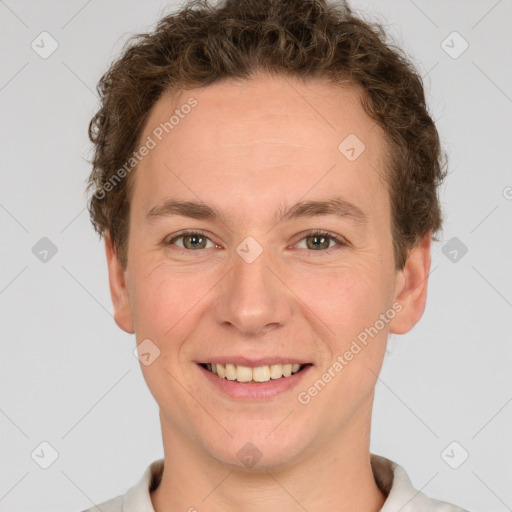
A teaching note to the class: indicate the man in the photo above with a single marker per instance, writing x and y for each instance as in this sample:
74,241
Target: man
265,176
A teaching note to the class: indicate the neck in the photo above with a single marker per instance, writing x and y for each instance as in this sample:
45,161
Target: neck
333,475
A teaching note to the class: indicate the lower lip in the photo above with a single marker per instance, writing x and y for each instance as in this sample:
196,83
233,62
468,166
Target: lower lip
256,391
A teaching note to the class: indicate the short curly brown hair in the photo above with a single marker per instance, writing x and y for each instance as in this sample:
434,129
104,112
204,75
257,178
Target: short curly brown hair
204,43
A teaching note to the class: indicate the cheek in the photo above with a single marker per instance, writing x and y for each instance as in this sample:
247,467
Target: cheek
348,298
169,306
350,301
166,299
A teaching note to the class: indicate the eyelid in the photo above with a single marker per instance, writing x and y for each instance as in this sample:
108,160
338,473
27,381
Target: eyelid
184,233
341,241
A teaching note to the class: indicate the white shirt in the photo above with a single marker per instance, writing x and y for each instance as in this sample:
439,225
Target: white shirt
389,476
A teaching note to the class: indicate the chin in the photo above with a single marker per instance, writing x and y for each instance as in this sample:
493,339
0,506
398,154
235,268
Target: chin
256,447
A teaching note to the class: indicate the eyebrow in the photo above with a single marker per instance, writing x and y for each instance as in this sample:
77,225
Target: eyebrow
336,206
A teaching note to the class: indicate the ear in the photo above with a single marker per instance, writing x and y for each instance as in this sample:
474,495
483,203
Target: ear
118,289
411,287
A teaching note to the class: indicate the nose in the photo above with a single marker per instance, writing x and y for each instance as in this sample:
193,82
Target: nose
254,298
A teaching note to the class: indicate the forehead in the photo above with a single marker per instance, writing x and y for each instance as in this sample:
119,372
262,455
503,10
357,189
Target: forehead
265,137
274,109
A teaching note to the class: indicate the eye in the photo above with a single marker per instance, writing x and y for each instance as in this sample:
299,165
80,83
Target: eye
321,240
192,240
316,241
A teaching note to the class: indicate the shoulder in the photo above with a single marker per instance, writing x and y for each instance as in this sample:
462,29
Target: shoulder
443,506
138,497
396,485
112,505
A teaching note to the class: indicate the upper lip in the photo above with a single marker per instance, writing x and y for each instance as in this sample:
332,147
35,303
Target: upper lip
253,363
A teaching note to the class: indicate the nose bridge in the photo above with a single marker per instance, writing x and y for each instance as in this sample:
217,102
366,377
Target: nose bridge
253,299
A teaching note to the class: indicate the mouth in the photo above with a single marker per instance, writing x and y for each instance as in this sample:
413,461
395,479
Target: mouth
254,375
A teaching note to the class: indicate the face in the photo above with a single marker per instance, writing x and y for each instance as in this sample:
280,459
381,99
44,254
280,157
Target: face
286,259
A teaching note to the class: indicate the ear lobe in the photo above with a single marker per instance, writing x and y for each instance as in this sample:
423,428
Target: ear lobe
411,287
118,289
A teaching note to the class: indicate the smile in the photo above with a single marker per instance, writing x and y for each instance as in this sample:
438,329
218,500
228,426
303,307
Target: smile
254,375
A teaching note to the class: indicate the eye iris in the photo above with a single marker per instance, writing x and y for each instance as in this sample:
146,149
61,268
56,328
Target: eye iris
324,244
193,240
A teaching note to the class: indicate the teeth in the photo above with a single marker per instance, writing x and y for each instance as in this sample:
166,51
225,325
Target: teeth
258,374
230,372
261,374
243,374
276,371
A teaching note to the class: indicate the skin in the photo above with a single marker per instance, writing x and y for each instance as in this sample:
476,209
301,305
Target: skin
250,148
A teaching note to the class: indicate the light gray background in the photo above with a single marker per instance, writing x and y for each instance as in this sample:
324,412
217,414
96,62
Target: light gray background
68,375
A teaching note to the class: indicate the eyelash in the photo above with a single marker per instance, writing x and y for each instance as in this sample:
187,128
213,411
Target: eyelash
340,241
